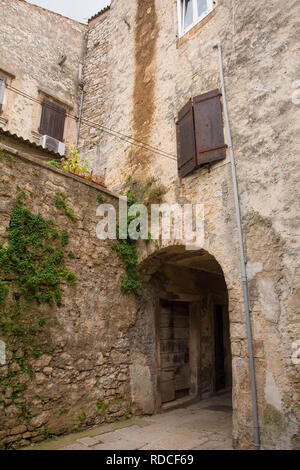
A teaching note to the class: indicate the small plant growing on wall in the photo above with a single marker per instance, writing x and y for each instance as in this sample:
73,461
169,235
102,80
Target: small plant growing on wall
61,203
9,158
76,165
73,163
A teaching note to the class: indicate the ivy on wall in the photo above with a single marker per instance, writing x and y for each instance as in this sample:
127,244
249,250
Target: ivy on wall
138,192
126,250
34,257
32,268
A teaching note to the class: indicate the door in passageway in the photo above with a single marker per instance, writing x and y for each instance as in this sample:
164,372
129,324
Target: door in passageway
174,350
220,373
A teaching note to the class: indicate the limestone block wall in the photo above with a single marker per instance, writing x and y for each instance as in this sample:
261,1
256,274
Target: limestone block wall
32,42
260,48
63,368
97,79
109,72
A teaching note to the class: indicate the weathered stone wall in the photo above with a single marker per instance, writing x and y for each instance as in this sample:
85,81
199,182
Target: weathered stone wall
63,368
260,52
96,78
111,102
32,41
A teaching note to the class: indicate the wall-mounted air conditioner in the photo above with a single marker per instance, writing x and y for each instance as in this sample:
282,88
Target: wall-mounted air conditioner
50,143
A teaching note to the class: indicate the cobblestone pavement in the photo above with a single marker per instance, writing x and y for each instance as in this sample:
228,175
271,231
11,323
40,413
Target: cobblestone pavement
205,425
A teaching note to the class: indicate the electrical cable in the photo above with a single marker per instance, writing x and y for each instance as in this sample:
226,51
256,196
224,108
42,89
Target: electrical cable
119,135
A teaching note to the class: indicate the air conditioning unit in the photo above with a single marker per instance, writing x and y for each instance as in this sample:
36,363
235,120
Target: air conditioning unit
55,145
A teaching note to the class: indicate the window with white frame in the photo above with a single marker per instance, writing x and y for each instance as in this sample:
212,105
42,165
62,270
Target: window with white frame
190,12
2,91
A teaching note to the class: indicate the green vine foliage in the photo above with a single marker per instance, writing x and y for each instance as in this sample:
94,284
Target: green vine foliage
126,250
34,257
148,192
31,270
60,203
3,291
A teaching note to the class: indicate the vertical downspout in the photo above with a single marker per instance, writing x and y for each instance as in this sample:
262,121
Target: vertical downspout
81,85
79,119
242,256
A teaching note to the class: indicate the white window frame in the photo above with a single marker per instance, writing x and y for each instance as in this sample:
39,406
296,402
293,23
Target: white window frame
2,90
196,18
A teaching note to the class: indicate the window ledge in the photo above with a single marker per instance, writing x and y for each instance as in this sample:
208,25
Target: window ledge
195,28
7,72
36,136
49,93
3,121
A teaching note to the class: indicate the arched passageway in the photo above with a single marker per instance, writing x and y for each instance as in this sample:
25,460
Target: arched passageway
180,342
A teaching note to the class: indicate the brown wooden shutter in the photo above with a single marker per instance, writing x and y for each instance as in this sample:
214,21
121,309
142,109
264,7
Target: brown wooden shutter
186,140
209,132
52,120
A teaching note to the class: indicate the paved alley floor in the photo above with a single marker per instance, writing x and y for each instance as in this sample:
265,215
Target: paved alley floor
205,425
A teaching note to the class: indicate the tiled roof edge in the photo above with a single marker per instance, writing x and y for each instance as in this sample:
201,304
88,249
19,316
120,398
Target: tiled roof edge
99,13
28,142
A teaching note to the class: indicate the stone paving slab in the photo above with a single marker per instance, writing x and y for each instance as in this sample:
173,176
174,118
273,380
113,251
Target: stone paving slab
225,444
175,442
187,428
109,437
122,444
89,441
151,435
195,427
131,431
76,446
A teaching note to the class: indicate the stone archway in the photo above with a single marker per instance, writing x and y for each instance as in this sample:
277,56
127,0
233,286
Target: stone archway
180,342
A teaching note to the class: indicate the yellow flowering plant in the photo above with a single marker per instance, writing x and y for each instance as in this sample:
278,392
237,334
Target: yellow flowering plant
73,163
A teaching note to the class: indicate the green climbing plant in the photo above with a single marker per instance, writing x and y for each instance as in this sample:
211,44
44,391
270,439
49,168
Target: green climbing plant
126,250
60,203
34,257
137,192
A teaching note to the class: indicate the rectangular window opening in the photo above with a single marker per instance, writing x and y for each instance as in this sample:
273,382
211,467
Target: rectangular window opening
2,91
52,120
190,12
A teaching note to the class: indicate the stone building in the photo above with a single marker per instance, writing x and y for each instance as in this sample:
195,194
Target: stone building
151,78
41,56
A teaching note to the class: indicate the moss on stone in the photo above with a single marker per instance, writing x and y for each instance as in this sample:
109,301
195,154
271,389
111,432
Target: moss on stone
296,441
273,424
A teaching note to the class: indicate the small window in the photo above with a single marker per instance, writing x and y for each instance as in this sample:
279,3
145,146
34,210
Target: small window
2,91
190,12
52,120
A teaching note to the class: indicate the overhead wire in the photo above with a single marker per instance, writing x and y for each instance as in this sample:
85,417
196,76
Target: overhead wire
129,139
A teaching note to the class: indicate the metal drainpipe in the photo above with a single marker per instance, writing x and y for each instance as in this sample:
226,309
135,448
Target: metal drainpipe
242,256
79,119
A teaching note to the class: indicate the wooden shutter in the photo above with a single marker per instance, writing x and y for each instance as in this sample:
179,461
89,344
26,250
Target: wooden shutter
186,140
209,133
53,120
2,91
